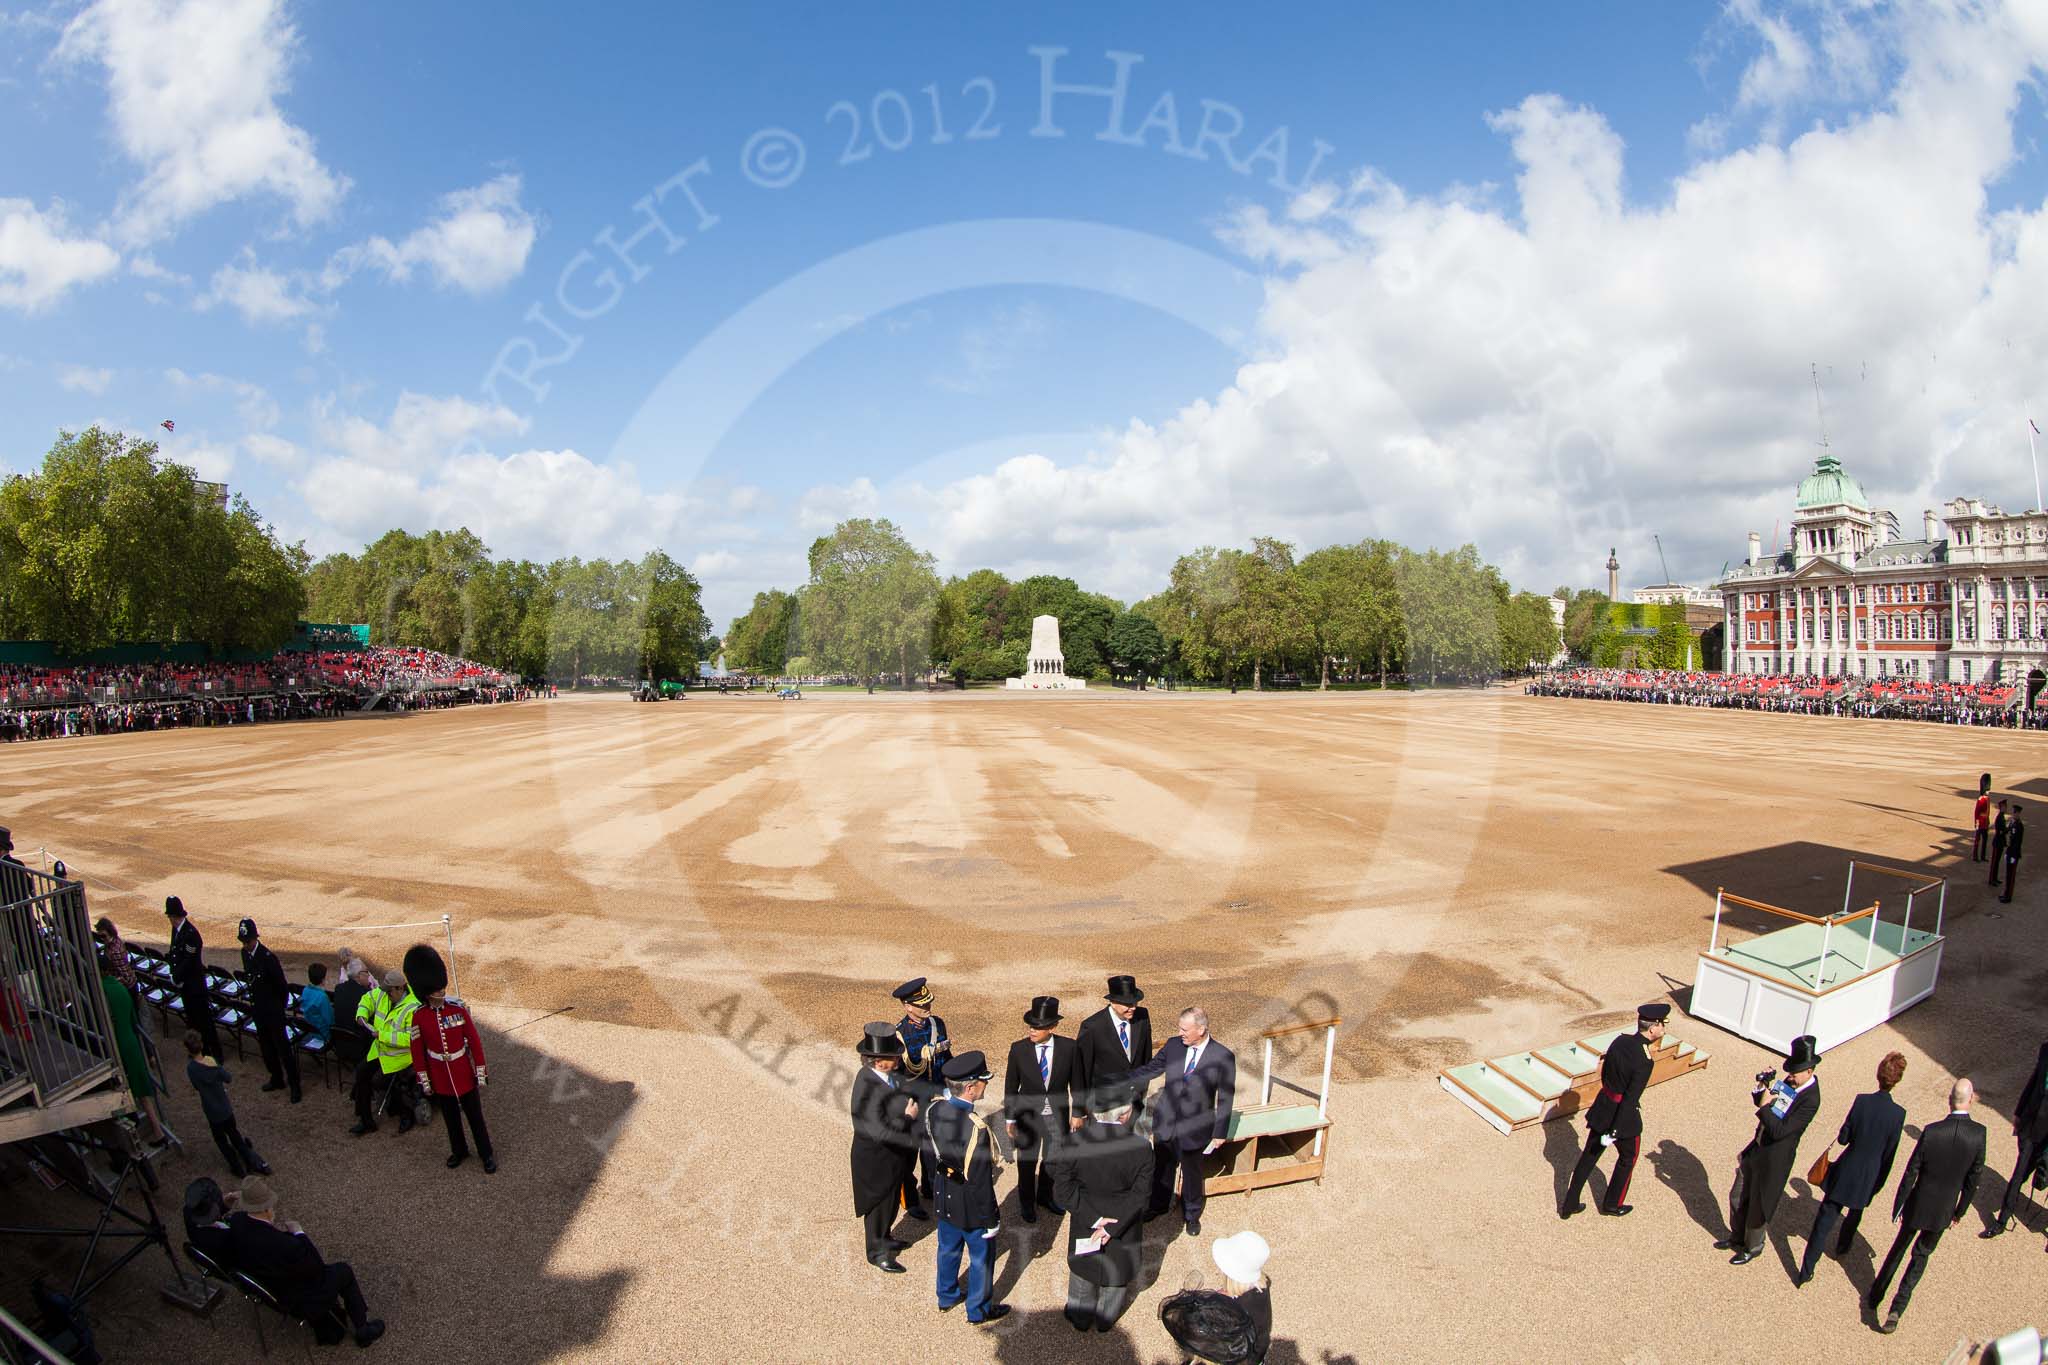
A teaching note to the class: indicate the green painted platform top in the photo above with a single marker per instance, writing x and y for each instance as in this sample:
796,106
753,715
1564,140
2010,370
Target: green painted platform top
1291,1119
1509,1099
1600,1042
1571,1058
1792,955
1538,1075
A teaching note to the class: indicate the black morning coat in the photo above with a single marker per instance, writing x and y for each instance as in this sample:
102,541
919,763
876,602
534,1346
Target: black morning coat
1024,1093
1191,1111
2030,1115
268,990
1109,1175
1102,1056
1872,1133
884,1139
1767,1161
964,1192
1624,1071
1942,1174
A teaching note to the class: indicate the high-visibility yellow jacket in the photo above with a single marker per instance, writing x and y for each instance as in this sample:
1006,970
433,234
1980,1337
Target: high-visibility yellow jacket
373,1003
392,1045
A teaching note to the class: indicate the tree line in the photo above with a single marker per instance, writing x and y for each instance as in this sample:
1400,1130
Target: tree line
570,618
109,544
875,605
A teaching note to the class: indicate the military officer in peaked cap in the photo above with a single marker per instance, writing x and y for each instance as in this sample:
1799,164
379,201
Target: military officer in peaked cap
884,1143
1615,1118
965,1163
926,1050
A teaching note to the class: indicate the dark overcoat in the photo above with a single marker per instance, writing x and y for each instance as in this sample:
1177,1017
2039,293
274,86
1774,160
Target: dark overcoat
1871,1131
1942,1174
1767,1160
1108,1175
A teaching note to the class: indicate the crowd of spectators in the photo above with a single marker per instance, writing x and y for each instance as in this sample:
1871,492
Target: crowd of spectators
1993,704
55,702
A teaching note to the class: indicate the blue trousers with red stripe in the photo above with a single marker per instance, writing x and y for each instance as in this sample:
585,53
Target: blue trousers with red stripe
1626,1150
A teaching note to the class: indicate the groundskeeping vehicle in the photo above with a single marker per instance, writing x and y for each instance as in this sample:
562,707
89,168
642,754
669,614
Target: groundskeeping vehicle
663,691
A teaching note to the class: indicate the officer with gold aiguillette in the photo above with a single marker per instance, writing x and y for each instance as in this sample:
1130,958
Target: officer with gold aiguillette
965,1164
926,1050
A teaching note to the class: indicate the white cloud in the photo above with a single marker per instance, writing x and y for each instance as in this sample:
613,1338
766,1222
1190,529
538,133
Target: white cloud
144,266
316,339
258,293
1572,369
478,242
714,564
823,507
273,450
208,459
81,379
422,433
253,403
193,87
40,261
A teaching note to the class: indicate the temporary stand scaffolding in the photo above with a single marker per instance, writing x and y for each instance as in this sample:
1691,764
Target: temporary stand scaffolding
63,1094
1833,976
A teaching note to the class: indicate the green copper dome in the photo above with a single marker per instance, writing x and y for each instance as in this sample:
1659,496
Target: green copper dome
1828,485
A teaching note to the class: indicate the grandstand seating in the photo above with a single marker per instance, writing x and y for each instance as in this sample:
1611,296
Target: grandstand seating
1984,703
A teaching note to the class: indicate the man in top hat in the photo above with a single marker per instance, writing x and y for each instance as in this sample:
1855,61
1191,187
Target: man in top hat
269,994
448,1055
1192,1116
1784,1108
1615,1118
965,1164
188,970
926,1050
1939,1185
884,1148
1106,1181
1115,1038
1040,1086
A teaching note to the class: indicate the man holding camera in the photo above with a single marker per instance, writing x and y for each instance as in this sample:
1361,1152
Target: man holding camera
1615,1118
1784,1108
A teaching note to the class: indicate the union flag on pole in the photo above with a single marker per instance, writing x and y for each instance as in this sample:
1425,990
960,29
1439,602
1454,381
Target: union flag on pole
168,425
2035,425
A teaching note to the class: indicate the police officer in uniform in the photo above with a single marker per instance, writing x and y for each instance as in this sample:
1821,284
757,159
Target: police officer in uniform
926,1050
448,1056
962,1151
188,969
884,1143
269,993
1615,1118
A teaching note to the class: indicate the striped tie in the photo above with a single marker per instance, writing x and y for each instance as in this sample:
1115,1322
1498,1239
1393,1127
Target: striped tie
1189,1070
1123,1035
1045,1064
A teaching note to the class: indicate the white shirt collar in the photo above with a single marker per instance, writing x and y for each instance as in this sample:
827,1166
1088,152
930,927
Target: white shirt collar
1196,1051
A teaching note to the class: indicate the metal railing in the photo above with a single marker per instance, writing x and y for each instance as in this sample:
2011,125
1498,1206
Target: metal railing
55,1032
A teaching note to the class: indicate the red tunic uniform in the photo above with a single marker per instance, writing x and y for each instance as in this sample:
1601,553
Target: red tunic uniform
447,1052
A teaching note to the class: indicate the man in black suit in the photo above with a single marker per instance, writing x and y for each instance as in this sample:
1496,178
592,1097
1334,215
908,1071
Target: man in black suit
269,994
1871,1132
1107,1182
2030,1132
285,1261
2015,838
1615,1118
1040,1084
884,1145
1116,1038
1192,1114
1941,1180
1784,1108
188,970
1998,827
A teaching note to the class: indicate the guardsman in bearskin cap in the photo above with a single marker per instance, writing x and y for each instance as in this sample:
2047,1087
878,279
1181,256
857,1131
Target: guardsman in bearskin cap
448,1055
926,1050
1615,1118
884,1145
965,1164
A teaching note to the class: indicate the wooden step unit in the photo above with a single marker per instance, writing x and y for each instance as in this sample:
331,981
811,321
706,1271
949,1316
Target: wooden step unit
1519,1089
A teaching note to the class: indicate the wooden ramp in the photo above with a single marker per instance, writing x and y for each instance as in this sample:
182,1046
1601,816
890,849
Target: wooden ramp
1513,1092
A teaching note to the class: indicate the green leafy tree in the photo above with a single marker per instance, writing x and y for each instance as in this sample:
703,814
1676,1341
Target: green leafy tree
870,600
1136,647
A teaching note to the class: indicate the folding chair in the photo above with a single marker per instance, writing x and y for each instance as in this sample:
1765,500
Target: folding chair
308,1042
259,1298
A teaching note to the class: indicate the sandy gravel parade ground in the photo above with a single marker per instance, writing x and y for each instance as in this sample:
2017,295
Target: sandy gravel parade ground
711,897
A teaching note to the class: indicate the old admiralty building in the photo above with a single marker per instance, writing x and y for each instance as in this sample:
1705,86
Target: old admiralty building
1965,602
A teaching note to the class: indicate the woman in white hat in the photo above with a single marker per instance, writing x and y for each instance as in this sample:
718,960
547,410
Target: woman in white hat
1242,1259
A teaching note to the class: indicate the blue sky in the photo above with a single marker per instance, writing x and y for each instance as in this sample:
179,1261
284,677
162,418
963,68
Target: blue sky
1554,284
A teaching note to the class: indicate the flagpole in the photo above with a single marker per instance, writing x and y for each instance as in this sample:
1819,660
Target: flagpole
2033,455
